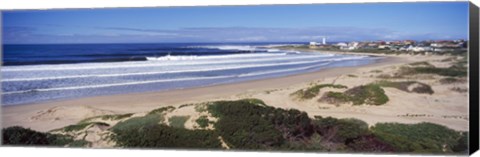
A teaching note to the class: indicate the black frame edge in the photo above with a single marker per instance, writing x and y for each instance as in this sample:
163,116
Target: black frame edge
474,79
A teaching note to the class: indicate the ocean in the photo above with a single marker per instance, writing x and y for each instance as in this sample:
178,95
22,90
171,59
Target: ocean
36,73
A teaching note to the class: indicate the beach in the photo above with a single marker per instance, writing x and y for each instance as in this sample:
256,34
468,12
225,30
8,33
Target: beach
444,107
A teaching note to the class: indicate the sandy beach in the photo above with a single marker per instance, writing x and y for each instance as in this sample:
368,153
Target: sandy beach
444,107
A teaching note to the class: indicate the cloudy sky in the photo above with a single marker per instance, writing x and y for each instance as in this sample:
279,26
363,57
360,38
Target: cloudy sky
268,23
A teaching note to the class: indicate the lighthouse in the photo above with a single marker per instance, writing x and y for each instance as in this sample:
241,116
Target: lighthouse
324,41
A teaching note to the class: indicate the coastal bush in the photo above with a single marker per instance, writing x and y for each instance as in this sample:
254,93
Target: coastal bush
178,121
202,121
245,125
340,130
453,71
462,144
137,122
162,110
404,86
313,91
162,136
148,132
376,71
449,80
107,117
81,125
370,94
420,138
423,63
334,98
17,135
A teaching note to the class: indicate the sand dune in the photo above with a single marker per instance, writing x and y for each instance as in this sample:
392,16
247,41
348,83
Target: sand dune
444,107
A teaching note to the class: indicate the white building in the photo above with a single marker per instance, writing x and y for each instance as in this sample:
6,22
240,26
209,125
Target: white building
313,43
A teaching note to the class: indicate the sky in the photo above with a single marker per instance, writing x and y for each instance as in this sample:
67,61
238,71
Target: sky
263,23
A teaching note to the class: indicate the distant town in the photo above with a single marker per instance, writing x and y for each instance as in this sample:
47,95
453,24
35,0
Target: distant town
399,46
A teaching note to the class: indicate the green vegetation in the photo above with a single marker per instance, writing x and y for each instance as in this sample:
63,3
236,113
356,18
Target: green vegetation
453,71
108,117
351,75
420,138
313,91
376,71
334,98
185,105
250,124
137,122
244,125
449,80
340,130
81,126
162,136
178,121
17,135
370,94
162,110
201,107
424,63
202,121
418,87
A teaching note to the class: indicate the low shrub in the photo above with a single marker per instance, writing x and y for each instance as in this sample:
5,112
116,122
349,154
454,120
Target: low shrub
370,94
17,135
178,121
202,121
404,86
162,136
162,110
419,138
313,91
107,117
137,122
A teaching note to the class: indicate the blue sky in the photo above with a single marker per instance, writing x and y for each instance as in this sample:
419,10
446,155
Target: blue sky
267,23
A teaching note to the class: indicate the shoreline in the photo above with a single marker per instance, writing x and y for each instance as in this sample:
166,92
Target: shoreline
141,102
45,116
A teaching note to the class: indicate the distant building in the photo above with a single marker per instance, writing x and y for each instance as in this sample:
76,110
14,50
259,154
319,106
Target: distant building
313,43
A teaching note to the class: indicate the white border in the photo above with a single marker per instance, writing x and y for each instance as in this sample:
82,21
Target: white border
58,4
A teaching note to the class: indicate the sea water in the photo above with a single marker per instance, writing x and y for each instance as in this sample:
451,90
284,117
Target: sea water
36,73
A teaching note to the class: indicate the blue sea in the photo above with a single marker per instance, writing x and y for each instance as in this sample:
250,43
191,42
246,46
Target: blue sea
36,73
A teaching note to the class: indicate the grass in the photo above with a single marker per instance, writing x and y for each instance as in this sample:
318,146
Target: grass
351,75
201,107
376,71
20,136
313,91
185,105
81,126
108,117
453,71
162,110
370,94
178,121
202,121
404,86
334,98
423,63
419,138
449,80
137,122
